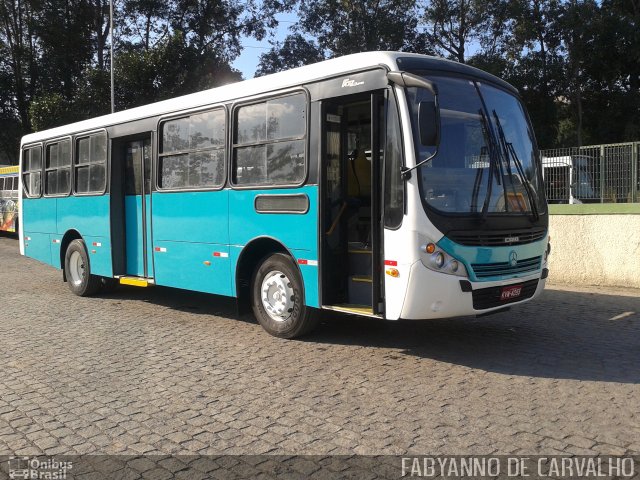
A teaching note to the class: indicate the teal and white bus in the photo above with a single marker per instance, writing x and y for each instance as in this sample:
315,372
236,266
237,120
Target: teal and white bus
383,184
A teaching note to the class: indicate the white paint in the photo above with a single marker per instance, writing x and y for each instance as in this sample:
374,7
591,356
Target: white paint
623,315
595,250
21,238
435,295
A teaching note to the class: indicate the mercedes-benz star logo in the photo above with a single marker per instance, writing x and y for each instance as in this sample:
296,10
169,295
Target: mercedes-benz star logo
513,258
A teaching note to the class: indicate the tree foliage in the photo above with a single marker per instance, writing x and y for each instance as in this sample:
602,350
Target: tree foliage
55,60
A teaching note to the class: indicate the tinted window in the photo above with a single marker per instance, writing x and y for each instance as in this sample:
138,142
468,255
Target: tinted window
192,152
58,168
90,165
393,183
32,171
269,142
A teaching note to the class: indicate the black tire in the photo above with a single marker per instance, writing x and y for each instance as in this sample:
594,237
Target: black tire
298,319
79,277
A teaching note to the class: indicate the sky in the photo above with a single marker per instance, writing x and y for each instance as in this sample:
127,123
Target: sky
248,60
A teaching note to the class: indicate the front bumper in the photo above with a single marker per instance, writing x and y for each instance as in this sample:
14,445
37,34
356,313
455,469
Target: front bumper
433,295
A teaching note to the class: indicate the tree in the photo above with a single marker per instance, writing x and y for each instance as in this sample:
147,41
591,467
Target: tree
453,24
349,26
330,28
19,55
295,51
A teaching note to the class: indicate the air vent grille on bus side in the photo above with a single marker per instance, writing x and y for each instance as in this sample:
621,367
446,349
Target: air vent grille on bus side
483,270
497,238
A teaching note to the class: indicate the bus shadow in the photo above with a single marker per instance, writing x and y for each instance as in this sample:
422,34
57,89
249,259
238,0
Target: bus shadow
564,335
182,301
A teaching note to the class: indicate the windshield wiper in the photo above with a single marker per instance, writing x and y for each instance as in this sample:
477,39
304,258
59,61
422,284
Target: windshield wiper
510,153
492,165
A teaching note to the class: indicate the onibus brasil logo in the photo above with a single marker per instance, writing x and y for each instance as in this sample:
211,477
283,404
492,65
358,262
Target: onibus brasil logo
38,468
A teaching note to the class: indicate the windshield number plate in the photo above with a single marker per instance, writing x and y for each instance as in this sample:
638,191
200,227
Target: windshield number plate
512,291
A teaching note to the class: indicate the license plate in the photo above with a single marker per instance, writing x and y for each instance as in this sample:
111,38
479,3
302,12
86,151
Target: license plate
510,292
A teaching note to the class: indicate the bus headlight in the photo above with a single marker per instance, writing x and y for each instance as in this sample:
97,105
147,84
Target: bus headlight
439,261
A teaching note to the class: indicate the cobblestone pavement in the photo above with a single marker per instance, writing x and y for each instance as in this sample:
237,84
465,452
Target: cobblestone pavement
168,371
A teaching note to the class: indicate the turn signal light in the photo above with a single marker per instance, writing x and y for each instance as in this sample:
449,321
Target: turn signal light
392,272
429,248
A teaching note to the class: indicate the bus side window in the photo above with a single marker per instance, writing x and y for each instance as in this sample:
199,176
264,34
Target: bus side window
32,171
90,164
58,168
269,146
192,151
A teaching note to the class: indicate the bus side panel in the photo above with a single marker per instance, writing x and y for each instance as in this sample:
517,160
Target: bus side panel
298,232
191,241
37,246
39,217
89,216
201,267
98,249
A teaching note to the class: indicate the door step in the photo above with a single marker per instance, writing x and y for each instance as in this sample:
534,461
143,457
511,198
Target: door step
360,289
354,309
135,281
360,262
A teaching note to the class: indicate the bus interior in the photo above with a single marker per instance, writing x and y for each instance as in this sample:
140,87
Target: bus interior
350,234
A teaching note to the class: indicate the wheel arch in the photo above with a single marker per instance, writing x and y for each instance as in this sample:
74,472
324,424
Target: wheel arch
69,236
249,259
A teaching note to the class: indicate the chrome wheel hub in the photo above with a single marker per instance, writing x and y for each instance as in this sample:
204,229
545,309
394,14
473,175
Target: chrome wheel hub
76,268
277,296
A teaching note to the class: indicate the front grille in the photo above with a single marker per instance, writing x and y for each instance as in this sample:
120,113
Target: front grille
526,265
484,298
497,238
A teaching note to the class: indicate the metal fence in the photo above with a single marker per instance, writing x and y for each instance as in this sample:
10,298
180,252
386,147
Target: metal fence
593,174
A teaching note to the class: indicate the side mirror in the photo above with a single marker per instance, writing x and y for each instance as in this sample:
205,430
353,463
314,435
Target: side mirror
429,123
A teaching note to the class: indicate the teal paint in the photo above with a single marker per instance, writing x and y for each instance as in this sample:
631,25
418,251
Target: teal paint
89,215
37,246
201,267
134,240
468,255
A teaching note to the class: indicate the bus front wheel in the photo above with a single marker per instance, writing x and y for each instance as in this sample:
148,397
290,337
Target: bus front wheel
78,270
278,298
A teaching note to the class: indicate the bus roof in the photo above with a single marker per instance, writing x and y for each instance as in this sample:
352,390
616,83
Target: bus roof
564,161
567,160
276,81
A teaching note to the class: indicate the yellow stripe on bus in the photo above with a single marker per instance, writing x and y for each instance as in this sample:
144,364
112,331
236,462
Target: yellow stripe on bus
8,170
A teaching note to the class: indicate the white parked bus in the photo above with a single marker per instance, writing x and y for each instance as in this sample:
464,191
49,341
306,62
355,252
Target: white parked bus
569,179
383,184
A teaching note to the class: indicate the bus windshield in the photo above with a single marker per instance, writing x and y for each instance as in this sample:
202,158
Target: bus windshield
485,163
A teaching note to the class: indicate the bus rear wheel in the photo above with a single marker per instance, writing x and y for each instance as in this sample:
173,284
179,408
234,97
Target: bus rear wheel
278,298
77,269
